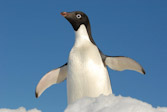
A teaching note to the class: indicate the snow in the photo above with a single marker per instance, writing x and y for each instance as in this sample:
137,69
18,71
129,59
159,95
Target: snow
112,103
21,109
103,103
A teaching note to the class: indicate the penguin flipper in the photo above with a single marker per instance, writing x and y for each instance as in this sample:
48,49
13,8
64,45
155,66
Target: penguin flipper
121,63
54,76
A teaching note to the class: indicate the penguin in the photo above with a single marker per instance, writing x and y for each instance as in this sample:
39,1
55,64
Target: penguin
86,70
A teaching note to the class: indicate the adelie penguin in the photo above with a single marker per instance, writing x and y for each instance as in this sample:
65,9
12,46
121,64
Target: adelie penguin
86,69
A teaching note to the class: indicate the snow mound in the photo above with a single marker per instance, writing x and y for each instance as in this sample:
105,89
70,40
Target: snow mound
112,103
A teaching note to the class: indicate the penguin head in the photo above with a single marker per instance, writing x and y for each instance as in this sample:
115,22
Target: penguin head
76,19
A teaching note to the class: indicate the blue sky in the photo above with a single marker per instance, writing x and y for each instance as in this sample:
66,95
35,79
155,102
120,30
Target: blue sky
35,38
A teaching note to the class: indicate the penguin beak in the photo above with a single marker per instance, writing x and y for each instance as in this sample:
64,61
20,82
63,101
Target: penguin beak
67,15
64,14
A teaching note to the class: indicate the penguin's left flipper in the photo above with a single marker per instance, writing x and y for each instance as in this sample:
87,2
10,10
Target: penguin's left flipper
54,76
121,63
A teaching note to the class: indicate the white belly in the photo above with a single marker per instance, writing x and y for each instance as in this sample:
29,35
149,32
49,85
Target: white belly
87,75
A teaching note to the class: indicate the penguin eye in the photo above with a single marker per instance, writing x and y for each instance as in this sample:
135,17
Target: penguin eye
78,16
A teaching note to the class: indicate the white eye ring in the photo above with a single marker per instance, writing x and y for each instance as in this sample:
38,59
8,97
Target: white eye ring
78,16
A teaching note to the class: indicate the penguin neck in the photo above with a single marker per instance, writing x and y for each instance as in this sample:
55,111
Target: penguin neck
83,35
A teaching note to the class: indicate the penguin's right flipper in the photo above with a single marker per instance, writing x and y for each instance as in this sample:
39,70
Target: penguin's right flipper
54,76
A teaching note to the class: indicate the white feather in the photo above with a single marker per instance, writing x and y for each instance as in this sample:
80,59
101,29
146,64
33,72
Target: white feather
123,63
53,77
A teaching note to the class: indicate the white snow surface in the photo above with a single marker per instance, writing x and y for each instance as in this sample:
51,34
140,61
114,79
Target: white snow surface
103,103
21,109
112,103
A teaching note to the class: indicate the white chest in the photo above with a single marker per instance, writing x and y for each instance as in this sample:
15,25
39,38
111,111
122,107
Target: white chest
87,76
86,60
